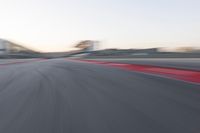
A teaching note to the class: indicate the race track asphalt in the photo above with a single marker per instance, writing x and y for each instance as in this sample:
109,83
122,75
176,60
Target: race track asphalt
66,96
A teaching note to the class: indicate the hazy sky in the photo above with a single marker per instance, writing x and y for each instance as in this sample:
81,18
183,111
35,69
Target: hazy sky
55,25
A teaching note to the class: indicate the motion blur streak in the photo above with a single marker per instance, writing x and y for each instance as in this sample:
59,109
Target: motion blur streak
180,74
59,96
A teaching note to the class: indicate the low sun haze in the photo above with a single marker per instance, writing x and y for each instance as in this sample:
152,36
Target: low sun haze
55,25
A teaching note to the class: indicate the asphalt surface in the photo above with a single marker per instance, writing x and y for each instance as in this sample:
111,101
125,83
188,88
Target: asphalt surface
63,96
183,63
17,61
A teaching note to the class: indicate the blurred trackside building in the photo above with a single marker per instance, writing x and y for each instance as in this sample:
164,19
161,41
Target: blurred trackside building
87,45
7,47
10,49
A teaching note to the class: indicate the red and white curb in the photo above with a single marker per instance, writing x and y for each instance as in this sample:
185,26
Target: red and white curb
191,76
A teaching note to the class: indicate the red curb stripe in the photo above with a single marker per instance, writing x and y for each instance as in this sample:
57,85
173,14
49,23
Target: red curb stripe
180,74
